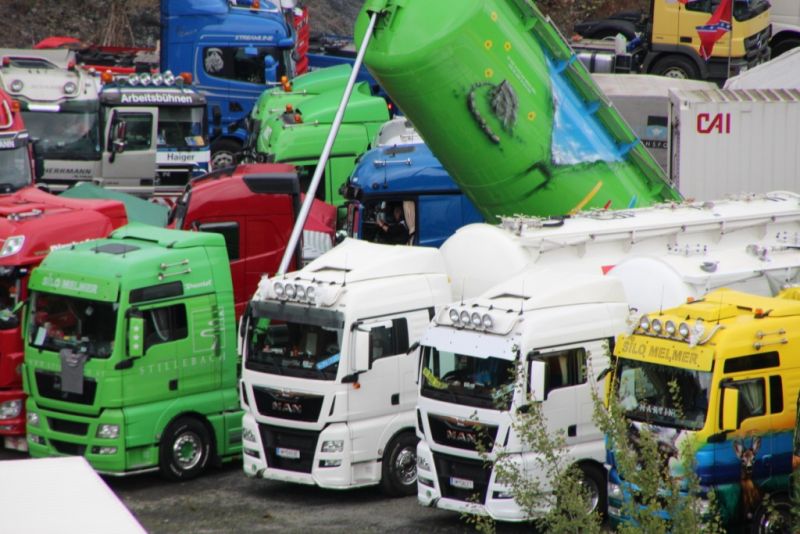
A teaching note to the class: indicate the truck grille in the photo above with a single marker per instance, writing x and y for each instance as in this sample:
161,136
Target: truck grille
68,427
281,444
65,447
49,386
451,471
755,42
287,405
461,433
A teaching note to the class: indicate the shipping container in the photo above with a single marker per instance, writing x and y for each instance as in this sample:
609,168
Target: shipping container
728,142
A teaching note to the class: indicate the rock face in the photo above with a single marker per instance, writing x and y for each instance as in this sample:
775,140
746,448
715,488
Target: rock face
136,22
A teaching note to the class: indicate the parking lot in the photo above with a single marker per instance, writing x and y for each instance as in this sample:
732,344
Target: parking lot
226,501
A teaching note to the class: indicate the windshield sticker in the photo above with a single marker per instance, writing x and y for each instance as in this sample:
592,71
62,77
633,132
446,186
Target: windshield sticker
433,380
675,354
329,361
70,285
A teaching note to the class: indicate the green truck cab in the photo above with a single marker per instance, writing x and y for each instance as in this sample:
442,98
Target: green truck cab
298,134
130,353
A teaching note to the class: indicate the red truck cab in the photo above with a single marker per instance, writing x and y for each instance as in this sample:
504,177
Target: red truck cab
32,222
254,207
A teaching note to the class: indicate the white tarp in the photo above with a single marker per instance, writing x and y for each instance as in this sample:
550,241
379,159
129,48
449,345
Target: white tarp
783,72
42,496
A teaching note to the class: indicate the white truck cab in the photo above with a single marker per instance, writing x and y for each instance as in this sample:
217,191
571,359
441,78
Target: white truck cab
329,367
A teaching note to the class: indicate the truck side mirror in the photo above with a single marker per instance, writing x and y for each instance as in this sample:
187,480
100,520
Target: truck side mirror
136,336
730,410
361,356
270,70
537,371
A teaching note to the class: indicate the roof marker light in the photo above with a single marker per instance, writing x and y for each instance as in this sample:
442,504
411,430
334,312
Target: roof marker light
454,315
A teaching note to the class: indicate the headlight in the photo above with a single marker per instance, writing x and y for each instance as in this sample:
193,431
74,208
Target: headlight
488,323
476,319
144,79
10,409
169,78
16,86
280,291
683,330
614,491
311,292
657,328
107,431
248,435
669,327
423,464
290,291
158,79
12,245
644,323
33,419
133,80
333,446
301,292
454,315
464,317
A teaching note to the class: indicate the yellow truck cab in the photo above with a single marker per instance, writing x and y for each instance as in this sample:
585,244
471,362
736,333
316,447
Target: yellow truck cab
722,373
677,38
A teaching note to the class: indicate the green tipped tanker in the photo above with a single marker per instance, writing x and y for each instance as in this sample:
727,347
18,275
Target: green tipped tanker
503,102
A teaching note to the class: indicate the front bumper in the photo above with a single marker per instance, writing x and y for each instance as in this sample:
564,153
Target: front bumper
292,455
450,492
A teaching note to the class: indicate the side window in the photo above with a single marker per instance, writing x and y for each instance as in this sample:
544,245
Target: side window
243,64
230,231
565,368
388,341
752,399
305,173
702,6
138,130
164,324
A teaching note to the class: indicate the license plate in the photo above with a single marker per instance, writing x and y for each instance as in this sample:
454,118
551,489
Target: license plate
461,483
292,454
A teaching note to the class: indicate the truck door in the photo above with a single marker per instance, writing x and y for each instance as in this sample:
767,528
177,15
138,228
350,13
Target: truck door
129,156
568,400
154,377
201,350
666,17
380,387
698,13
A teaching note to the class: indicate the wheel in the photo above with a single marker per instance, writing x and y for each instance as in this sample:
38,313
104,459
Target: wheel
593,479
399,471
223,153
784,45
679,67
777,523
185,449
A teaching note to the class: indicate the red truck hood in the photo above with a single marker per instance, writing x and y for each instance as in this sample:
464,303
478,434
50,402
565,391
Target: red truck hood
46,220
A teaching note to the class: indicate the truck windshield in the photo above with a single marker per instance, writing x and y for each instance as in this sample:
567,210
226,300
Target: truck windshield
294,349
182,127
59,322
69,135
15,169
468,380
662,394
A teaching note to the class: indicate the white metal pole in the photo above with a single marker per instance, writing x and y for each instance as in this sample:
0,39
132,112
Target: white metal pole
326,151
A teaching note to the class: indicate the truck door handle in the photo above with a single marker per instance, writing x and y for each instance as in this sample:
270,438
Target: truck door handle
686,39
395,399
572,431
173,384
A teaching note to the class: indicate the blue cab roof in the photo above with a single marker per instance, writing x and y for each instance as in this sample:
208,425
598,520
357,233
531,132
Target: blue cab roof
400,169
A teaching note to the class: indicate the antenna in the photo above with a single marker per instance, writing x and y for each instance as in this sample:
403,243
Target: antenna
463,281
344,280
661,303
522,298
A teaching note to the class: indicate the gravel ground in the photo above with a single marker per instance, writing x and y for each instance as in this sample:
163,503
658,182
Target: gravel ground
224,501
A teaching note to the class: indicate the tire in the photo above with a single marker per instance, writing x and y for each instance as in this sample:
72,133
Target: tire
679,67
224,153
399,466
784,45
593,479
763,523
184,450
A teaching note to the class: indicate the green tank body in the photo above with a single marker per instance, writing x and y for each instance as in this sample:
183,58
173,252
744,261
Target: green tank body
503,102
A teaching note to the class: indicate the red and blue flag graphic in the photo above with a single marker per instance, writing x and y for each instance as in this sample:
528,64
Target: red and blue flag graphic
712,31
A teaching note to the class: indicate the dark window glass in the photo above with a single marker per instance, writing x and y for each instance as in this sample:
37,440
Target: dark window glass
230,231
164,324
388,341
752,362
244,64
170,289
565,368
775,394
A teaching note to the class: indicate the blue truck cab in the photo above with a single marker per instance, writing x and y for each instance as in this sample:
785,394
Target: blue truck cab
233,49
410,177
